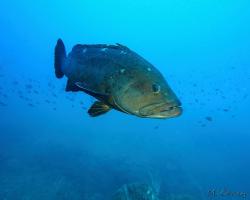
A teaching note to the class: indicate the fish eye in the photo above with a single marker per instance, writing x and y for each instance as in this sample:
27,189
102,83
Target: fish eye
156,88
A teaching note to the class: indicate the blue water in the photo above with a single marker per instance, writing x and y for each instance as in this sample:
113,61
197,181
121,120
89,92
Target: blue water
51,149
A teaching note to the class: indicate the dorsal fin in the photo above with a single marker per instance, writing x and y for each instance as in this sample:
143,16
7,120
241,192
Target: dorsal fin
122,46
80,47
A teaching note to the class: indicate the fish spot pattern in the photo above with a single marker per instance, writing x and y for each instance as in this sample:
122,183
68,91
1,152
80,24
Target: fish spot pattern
104,49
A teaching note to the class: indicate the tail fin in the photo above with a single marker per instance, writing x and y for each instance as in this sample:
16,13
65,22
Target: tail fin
60,56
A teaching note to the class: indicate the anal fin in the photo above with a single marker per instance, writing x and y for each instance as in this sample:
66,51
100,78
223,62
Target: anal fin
98,108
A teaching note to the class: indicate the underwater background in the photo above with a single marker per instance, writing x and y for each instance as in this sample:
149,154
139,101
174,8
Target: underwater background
51,149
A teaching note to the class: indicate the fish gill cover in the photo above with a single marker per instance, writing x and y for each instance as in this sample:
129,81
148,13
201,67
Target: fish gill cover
50,148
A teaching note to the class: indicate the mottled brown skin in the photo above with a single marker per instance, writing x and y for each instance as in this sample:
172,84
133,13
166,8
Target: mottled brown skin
121,79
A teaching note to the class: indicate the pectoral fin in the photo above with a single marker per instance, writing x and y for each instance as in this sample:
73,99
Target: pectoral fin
98,108
86,89
72,87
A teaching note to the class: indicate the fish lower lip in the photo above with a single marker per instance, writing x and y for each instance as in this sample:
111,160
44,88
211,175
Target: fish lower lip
171,108
162,109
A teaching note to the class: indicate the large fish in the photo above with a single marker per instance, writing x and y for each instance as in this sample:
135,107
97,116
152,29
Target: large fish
118,78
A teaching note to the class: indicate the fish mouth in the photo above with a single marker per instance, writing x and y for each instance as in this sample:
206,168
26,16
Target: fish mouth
161,110
172,111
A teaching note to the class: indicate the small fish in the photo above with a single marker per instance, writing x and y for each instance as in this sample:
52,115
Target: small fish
21,96
3,104
209,118
51,85
27,99
245,96
47,101
84,108
31,105
15,82
28,86
118,78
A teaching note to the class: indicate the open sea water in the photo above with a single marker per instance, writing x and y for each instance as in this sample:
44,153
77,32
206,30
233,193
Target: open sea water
51,149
